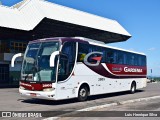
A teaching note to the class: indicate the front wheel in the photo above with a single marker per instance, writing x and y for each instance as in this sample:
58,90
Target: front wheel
83,93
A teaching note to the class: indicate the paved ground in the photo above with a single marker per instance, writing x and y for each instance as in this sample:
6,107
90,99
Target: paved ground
10,100
151,106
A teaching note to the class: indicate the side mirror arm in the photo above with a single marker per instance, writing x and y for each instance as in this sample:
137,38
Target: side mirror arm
52,58
14,58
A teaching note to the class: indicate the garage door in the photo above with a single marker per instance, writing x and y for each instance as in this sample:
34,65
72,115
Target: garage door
4,73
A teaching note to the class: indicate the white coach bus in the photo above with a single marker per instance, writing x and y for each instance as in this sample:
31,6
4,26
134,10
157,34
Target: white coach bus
64,68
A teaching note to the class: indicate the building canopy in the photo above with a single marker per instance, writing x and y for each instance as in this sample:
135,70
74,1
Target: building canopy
34,19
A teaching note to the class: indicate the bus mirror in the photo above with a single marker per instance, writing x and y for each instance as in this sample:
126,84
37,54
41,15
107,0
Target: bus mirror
14,58
52,58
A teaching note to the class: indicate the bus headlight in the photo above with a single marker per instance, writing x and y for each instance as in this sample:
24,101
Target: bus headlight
48,89
21,87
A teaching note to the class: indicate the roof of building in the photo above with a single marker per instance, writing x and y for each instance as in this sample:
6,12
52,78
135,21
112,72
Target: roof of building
27,14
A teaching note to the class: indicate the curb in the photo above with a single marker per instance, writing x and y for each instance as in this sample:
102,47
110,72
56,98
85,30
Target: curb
105,106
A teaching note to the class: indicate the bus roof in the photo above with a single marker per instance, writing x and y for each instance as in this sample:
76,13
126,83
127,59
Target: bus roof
83,40
102,44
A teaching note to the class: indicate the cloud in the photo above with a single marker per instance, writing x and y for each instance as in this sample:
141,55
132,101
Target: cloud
152,49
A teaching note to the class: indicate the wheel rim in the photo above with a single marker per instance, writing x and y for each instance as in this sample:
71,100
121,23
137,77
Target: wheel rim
83,92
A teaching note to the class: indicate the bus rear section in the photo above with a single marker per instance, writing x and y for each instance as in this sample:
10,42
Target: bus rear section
80,68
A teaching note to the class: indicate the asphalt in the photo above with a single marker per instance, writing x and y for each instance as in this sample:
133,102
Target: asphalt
10,100
121,109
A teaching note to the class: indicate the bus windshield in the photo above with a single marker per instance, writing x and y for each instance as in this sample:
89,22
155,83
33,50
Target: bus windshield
36,63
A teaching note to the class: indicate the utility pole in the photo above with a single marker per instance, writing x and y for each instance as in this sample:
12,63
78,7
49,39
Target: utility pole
151,76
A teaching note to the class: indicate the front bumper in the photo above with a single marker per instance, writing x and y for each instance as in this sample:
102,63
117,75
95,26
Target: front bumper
38,94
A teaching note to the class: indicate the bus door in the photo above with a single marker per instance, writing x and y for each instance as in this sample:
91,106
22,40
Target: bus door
65,84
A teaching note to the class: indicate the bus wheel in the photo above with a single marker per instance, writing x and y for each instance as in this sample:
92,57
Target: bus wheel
133,87
83,93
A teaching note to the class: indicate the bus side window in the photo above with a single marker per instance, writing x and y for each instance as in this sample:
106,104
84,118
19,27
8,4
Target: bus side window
111,57
143,60
81,57
67,60
83,50
120,57
129,59
125,58
100,49
136,60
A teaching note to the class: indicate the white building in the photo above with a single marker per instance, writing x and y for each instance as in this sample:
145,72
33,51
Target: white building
34,19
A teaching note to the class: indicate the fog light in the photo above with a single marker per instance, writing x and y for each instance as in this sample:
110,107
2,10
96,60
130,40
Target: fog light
52,95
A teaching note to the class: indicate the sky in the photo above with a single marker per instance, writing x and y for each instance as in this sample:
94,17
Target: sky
141,18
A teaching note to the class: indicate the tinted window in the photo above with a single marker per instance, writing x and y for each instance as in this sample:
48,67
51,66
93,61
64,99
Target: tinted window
84,49
143,61
100,49
126,58
111,56
120,57
67,60
69,50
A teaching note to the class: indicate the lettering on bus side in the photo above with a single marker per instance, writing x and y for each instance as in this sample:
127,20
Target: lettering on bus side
47,85
117,69
126,69
101,79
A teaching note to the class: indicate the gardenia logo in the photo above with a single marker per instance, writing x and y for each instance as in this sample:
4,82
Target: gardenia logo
126,69
98,59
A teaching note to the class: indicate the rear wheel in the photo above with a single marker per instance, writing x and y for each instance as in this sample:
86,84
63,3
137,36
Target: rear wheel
83,93
133,88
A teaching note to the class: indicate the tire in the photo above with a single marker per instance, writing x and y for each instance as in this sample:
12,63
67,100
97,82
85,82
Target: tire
83,93
133,88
